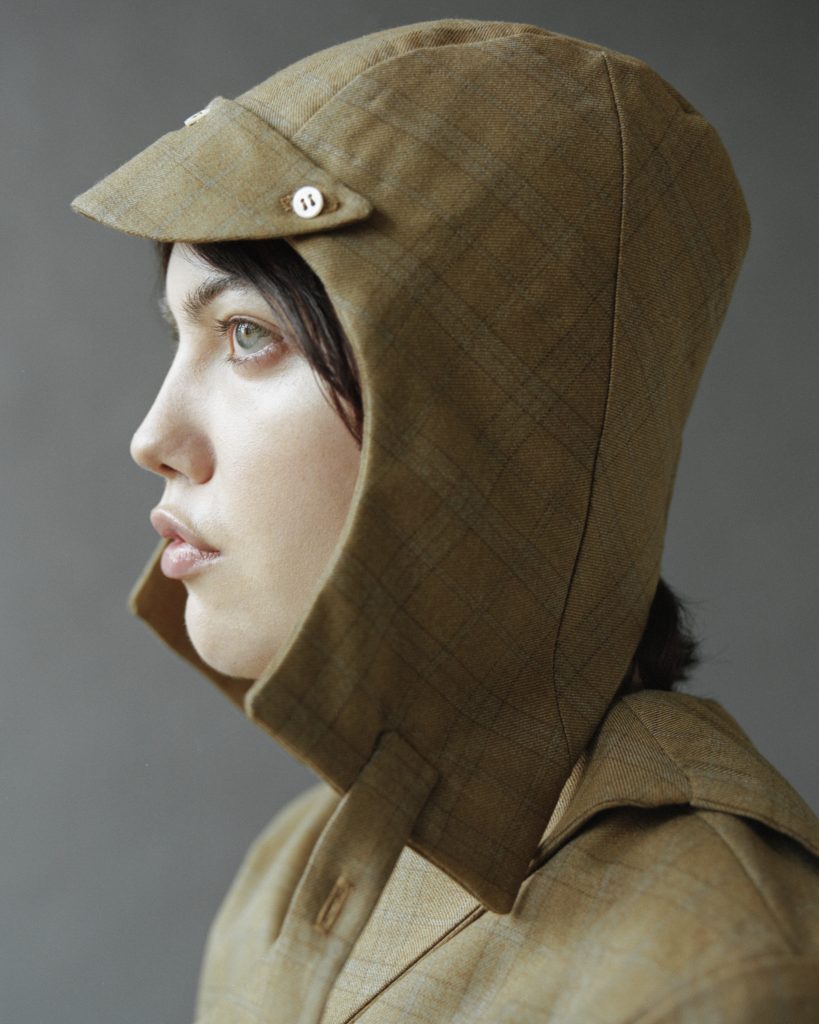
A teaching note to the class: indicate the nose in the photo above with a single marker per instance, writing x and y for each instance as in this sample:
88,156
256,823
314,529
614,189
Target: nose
170,441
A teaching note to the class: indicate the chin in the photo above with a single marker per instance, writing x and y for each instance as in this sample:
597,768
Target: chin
223,646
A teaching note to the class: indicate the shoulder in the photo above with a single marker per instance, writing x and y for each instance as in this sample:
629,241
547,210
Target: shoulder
251,911
296,824
758,990
669,915
707,882
652,915
276,857
683,865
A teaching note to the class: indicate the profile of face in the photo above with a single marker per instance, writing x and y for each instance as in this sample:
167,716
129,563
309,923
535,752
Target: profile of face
258,467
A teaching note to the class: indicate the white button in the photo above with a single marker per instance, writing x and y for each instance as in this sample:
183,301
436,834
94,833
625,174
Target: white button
197,115
307,201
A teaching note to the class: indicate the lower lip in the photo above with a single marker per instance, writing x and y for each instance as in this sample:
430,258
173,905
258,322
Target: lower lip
180,559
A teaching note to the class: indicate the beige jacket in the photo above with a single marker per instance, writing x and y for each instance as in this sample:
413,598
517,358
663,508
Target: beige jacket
531,242
678,882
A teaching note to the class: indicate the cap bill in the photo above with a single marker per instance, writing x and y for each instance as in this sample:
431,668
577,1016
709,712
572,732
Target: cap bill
226,174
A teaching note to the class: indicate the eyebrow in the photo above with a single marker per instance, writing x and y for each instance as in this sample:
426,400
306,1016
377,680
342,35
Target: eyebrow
196,302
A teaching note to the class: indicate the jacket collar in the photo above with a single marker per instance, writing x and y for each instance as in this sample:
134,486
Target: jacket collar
656,749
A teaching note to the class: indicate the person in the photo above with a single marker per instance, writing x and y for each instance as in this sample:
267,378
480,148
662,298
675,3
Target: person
443,295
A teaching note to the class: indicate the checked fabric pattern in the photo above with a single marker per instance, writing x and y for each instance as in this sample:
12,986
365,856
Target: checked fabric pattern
531,242
540,246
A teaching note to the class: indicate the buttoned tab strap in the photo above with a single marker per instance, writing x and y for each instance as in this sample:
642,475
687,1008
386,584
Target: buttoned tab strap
345,874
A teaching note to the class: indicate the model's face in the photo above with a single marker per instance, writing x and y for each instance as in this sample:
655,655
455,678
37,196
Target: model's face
259,469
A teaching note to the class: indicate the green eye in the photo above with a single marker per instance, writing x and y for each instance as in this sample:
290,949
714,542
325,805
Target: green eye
249,341
248,336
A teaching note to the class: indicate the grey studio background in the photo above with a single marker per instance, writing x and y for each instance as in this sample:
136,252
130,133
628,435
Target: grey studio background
129,787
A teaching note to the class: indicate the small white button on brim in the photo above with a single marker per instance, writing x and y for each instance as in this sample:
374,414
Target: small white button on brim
195,117
307,201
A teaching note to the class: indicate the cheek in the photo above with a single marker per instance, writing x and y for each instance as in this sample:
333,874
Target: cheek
285,472
288,467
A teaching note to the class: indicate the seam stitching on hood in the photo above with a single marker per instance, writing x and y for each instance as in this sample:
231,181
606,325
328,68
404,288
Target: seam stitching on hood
612,342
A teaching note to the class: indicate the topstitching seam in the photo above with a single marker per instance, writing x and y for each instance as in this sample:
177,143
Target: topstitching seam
614,321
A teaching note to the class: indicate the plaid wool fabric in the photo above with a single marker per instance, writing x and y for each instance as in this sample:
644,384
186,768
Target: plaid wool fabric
531,242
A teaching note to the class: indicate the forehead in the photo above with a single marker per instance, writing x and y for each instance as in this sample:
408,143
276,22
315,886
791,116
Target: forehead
192,284
186,270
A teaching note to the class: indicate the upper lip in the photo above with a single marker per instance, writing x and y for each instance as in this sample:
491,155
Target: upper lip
170,524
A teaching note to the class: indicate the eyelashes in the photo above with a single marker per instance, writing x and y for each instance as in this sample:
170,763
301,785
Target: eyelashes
231,327
237,331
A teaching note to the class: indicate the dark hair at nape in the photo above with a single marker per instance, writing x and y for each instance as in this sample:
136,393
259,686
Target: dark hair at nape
293,290
667,651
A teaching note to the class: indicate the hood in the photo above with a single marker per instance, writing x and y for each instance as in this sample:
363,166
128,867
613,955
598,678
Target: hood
531,242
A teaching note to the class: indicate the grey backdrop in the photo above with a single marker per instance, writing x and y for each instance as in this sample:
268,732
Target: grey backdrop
129,787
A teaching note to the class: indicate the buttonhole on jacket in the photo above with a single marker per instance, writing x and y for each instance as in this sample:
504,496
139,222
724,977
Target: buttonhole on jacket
331,907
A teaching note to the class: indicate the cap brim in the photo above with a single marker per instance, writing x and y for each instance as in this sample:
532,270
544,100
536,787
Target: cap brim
228,174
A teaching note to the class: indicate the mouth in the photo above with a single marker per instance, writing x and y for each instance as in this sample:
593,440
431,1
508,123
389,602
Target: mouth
187,552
